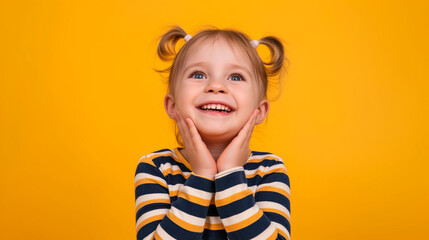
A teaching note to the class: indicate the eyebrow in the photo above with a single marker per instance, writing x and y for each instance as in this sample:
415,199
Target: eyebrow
207,64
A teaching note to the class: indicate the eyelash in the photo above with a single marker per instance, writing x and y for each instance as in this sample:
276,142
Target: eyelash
234,74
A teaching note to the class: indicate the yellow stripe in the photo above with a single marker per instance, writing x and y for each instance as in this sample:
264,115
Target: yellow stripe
258,160
149,220
148,180
273,210
273,236
233,198
282,233
262,173
214,226
152,201
172,172
279,169
173,193
274,189
258,172
194,199
244,223
156,236
188,226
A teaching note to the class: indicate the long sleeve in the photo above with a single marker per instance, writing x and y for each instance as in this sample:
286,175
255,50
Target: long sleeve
157,217
264,214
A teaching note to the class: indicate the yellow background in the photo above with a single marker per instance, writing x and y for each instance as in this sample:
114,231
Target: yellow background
80,104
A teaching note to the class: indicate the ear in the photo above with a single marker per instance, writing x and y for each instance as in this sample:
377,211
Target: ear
169,105
264,107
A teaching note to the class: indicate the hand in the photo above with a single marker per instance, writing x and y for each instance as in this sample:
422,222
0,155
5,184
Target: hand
237,152
197,154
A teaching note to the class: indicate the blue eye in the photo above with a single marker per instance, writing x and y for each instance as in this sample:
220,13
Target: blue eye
236,77
198,75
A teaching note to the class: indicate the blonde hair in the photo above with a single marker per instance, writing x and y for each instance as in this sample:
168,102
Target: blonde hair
272,69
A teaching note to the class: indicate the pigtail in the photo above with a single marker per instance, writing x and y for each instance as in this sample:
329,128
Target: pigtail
275,66
167,45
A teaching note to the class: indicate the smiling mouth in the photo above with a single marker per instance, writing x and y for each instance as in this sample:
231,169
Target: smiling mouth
216,108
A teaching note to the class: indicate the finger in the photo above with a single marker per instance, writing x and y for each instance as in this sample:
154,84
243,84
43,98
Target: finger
195,135
183,129
246,132
252,126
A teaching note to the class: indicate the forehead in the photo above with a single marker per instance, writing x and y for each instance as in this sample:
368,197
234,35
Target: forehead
218,52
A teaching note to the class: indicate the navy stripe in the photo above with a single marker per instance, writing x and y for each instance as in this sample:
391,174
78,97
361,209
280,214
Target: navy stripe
256,153
177,178
190,208
151,207
147,229
212,210
272,197
149,188
200,183
255,165
214,234
178,232
230,180
144,167
235,207
252,230
275,217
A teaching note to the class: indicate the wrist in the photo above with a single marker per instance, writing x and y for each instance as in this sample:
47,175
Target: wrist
226,168
205,174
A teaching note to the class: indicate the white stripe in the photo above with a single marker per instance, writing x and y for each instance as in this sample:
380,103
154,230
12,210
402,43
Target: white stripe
140,176
253,188
174,167
260,156
265,156
187,217
281,227
213,219
265,169
163,234
175,187
265,234
230,191
149,214
253,171
196,192
277,165
275,184
240,216
266,204
147,197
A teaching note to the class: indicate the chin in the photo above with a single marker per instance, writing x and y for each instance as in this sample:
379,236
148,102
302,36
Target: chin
212,135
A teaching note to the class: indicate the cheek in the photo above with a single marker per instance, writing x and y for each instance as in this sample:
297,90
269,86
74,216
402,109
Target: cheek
184,104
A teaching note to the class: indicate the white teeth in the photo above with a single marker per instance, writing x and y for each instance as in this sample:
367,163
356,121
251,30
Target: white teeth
218,107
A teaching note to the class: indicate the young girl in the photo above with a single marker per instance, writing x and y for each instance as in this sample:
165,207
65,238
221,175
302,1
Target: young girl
213,186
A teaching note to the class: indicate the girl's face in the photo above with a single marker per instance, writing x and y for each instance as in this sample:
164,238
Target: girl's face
218,90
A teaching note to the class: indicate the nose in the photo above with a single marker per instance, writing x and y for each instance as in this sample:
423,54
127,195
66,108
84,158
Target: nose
216,86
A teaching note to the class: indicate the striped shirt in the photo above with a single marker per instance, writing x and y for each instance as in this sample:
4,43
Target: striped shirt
249,202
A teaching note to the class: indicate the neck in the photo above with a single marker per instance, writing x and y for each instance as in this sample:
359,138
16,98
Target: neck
216,149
